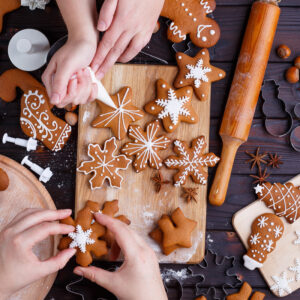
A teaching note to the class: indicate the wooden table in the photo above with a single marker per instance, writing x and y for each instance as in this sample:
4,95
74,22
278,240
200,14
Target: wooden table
232,17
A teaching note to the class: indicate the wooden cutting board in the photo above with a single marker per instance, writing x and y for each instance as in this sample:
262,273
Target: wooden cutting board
25,191
285,252
137,197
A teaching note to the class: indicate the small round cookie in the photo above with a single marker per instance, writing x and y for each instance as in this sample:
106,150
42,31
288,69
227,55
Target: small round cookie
4,180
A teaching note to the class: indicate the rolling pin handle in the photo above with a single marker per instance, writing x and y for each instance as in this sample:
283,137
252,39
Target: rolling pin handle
220,184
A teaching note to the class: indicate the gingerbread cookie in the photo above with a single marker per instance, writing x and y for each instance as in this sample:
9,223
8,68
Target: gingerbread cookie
145,146
118,119
171,106
189,17
191,161
36,118
7,6
4,180
245,293
174,232
197,72
284,199
104,164
86,237
266,230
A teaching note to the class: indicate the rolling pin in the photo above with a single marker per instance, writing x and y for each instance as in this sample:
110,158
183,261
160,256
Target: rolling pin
245,90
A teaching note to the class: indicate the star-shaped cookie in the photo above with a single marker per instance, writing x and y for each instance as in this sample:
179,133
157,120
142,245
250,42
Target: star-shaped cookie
197,72
118,119
7,6
172,106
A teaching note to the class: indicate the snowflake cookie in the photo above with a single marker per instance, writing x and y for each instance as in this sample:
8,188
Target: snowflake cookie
191,161
189,17
104,164
281,286
172,106
266,230
284,199
145,146
197,72
297,241
296,269
118,119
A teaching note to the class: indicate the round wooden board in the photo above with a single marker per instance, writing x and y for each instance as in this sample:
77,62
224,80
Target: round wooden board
25,191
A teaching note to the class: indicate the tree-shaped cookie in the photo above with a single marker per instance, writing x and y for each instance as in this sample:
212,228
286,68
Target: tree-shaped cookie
119,118
197,72
145,146
171,106
191,161
266,230
7,6
104,164
174,232
86,237
37,120
284,199
189,17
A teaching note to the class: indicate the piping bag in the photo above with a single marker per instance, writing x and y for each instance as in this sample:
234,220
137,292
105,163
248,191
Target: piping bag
245,90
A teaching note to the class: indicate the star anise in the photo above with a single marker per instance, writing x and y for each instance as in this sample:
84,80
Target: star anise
261,177
158,181
190,194
274,161
256,159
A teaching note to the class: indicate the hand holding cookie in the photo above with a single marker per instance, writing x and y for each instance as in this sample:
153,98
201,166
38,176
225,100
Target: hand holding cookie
18,264
139,276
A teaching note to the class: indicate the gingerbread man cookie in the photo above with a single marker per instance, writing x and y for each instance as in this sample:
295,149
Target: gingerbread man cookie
4,180
189,17
7,6
266,230
284,199
118,119
172,106
86,237
191,161
145,146
36,118
197,72
104,164
174,232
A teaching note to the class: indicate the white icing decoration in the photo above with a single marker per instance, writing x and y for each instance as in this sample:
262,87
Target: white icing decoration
254,239
269,246
201,28
33,4
177,31
191,164
262,222
119,113
212,32
205,5
278,230
173,107
258,189
198,72
204,39
296,269
81,238
297,242
281,285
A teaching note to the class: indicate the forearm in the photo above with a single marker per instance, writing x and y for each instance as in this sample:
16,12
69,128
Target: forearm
80,17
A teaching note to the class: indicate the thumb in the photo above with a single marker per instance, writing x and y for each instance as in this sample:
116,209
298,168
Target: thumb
97,275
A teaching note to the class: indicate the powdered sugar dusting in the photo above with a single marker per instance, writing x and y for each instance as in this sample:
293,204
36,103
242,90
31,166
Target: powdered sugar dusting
169,274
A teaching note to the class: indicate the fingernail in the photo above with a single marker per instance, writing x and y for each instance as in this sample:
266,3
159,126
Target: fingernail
67,210
101,26
95,67
77,271
55,98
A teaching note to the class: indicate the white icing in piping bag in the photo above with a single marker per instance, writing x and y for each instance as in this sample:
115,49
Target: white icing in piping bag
102,94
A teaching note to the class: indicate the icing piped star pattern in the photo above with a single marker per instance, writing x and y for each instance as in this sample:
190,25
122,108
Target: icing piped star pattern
81,238
281,286
172,106
296,269
189,17
145,146
191,161
104,164
198,73
119,118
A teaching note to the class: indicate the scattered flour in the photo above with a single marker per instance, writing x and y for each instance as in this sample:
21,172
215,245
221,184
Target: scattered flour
86,116
169,274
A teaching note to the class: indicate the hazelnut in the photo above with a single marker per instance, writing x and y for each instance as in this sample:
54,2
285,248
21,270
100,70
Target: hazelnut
292,75
297,62
4,180
283,51
71,118
157,27
70,107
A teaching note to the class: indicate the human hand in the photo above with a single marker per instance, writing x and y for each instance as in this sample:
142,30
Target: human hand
72,58
18,264
139,276
129,26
